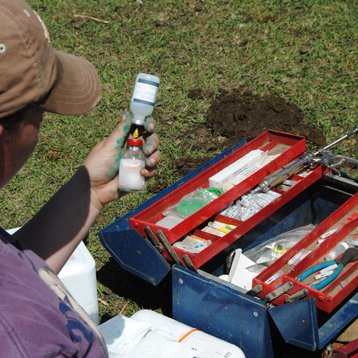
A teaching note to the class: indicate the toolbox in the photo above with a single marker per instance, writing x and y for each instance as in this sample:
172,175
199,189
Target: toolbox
261,327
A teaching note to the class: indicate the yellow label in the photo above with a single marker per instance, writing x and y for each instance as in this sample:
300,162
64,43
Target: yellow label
279,249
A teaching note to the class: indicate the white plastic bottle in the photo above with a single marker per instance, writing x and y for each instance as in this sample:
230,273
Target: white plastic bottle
133,160
143,101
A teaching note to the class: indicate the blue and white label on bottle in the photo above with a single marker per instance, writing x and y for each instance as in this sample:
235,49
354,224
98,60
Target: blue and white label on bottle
145,91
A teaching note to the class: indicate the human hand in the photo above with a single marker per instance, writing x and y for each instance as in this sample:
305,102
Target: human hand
102,163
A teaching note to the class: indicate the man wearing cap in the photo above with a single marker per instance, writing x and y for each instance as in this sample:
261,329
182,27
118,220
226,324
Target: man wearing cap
38,318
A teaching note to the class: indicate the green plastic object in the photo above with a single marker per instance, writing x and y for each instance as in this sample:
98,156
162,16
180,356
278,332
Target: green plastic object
188,207
216,191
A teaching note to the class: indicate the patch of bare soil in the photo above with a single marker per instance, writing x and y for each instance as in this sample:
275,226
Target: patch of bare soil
236,115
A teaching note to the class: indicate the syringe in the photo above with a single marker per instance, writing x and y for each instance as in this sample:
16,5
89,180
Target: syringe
297,165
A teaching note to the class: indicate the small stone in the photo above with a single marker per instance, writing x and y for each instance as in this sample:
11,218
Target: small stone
304,50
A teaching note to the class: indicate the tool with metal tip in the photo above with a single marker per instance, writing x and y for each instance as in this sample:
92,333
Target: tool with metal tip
278,292
339,140
297,296
188,262
255,290
297,165
167,245
156,243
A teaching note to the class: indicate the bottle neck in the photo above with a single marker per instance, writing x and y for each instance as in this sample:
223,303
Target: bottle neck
138,119
134,148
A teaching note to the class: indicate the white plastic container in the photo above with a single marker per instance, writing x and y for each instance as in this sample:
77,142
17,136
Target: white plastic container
79,277
148,334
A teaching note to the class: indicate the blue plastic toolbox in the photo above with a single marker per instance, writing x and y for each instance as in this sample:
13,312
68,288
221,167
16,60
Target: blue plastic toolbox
199,297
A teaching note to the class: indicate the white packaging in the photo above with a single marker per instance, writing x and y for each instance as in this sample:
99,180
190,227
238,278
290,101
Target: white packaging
326,272
220,179
329,233
215,232
298,257
121,334
239,274
242,176
150,334
265,159
79,277
170,338
13,230
274,277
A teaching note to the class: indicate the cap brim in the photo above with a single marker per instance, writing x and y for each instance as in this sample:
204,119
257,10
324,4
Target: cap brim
77,89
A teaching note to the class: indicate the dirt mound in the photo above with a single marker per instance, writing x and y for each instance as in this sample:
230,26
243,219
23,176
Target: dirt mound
236,115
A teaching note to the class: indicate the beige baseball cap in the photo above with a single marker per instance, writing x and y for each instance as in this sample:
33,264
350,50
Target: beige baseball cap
31,71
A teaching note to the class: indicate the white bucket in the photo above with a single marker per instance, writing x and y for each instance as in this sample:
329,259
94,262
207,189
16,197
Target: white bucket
149,334
79,277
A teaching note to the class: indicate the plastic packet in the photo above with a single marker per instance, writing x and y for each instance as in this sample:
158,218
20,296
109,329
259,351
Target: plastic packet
232,211
258,268
272,249
193,202
192,244
249,204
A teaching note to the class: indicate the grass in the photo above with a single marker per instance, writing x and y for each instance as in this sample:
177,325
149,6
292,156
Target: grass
305,52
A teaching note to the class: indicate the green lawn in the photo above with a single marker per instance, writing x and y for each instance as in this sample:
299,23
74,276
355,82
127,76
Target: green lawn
304,52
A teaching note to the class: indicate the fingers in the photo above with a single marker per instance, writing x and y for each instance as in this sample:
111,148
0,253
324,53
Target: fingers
150,150
149,124
151,144
153,155
151,165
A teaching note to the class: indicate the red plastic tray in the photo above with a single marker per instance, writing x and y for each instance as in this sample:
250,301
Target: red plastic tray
345,218
290,146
